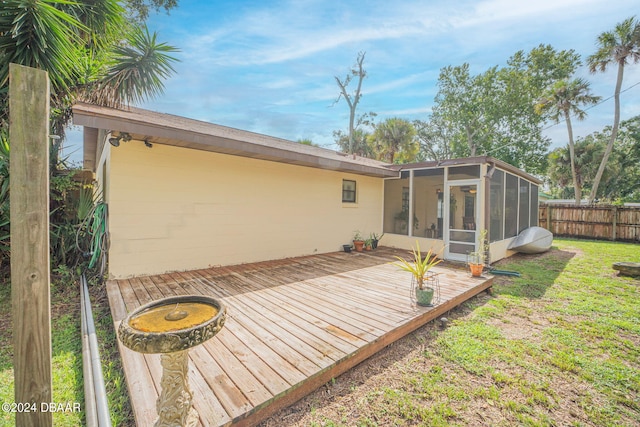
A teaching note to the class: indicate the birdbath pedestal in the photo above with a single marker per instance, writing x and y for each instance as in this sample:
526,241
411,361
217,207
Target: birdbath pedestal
171,326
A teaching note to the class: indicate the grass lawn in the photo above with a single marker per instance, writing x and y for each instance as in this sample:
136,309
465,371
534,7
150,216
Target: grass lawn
66,351
558,346
67,355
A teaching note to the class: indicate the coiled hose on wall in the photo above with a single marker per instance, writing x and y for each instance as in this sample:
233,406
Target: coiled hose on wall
96,226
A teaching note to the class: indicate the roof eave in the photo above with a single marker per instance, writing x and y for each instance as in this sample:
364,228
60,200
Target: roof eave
182,137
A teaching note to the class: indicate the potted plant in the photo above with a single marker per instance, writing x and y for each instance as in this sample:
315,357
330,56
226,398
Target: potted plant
419,267
375,238
476,259
368,244
358,241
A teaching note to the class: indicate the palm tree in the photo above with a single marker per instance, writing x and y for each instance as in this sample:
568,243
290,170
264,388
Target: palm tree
563,99
394,137
620,46
90,50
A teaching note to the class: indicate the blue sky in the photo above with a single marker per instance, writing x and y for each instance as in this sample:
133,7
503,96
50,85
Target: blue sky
269,66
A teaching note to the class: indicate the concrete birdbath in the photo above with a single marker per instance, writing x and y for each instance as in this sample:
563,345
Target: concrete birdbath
171,326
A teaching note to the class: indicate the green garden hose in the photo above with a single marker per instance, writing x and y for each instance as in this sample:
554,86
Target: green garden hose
98,233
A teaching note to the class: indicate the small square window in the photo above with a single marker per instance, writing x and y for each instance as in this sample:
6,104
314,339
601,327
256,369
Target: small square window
348,191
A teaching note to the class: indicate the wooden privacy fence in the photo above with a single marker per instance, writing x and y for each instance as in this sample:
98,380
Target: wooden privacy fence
605,222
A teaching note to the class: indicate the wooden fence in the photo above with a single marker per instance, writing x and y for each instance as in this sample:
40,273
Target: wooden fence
605,222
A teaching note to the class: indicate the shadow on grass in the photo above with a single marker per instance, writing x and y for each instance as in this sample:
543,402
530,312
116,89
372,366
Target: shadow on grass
538,273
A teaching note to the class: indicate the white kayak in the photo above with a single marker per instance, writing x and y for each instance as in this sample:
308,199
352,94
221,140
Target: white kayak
533,240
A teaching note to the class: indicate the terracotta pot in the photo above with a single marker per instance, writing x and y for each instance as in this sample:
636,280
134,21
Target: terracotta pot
359,244
476,269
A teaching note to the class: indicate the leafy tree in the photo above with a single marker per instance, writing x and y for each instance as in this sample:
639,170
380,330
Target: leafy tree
619,47
434,137
493,112
519,140
563,99
90,50
140,8
621,179
468,104
561,169
352,99
306,141
394,140
359,143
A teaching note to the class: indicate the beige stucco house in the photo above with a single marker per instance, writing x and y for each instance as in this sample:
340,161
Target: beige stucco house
185,194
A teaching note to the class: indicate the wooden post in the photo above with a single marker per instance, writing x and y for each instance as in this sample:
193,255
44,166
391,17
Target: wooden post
30,280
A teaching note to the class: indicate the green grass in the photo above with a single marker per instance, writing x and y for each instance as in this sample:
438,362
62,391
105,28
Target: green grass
67,376
559,345
66,356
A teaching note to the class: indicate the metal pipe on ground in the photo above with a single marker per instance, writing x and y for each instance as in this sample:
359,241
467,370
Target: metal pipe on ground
504,272
102,406
91,416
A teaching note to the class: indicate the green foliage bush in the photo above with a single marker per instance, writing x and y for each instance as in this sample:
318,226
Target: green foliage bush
71,199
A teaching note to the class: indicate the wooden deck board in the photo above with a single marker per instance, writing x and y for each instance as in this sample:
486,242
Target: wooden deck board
292,325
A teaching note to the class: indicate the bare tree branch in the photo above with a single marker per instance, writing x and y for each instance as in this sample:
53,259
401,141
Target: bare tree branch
352,99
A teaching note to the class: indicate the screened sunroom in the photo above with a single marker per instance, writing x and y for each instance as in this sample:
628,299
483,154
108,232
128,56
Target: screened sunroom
444,205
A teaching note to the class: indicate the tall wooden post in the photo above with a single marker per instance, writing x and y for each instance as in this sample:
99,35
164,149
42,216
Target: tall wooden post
30,280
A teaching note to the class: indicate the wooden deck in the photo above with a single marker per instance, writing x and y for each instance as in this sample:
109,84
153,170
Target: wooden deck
292,325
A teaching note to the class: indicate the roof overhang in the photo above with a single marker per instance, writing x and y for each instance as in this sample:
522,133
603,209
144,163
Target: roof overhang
469,161
167,129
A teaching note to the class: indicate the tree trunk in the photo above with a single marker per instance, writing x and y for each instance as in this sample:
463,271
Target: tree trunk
572,156
352,102
614,134
472,146
352,115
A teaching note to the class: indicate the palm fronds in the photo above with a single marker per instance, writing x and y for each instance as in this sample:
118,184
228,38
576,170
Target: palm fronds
420,265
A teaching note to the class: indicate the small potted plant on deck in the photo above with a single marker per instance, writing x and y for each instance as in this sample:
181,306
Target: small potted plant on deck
476,259
375,239
368,244
358,241
419,267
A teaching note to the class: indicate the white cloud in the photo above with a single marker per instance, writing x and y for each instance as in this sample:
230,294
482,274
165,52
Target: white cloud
269,67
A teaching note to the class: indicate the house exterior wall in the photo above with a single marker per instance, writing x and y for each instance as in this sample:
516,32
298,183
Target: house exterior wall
498,250
408,243
173,209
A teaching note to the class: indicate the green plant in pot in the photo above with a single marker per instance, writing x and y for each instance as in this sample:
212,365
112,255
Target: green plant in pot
368,244
419,267
375,238
477,259
358,241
